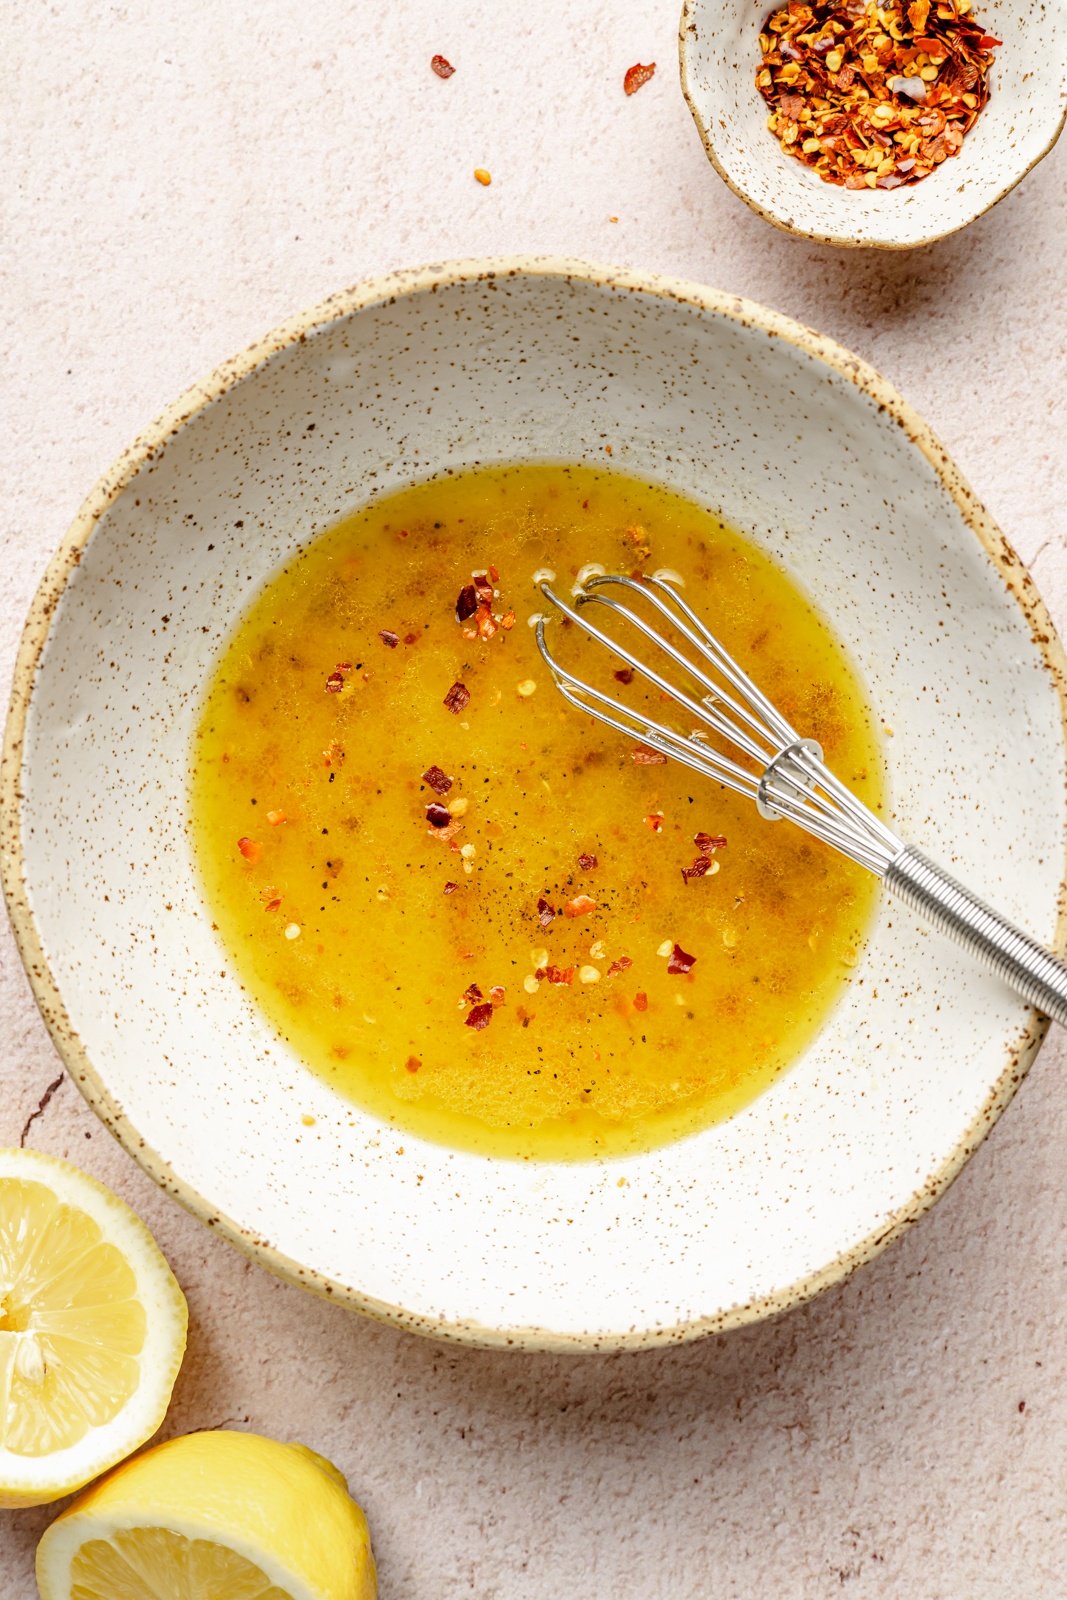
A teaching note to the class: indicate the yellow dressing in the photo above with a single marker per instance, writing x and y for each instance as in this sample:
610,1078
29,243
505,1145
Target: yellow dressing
328,883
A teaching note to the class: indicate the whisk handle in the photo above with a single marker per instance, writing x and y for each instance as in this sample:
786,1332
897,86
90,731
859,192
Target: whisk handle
1026,966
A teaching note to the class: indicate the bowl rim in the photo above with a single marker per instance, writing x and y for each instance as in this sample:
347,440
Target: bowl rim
840,241
389,288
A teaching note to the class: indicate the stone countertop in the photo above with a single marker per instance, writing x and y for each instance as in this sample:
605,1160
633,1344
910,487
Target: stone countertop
178,179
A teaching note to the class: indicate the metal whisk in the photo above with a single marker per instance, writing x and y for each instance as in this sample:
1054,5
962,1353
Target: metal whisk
774,766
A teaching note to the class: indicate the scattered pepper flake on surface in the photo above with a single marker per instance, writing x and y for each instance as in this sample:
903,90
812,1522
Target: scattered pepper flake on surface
249,848
450,888
560,976
654,820
437,815
472,993
335,682
637,76
624,675
437,780
587,862
483,176
276,818
680,960
873,96
580,906
640,1001
457,699
497,994
333,755
413,1063
545,913
643,757
443,68
621,965
479,1016
708,843
389,638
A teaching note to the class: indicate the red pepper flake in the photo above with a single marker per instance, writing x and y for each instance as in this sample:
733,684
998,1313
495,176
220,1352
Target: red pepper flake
497,994
637,76
680,960
411,638
443,68
494,575
545,913
333,754
437,815
557,975
457,698
473,993
655,821
390,639
580,906
335,682
276,818
483,585
272,905
467,603
708,843
624,675
641,1001
249,848
587,863
438,781
413,1063
479,1016
873,96
507,621
699,869
450,888
621,965
643,757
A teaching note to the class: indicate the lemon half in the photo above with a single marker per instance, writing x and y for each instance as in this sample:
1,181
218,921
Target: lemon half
212,1516
92,1329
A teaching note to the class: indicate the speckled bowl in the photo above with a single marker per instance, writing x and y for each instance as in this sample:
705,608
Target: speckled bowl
719,53
820,461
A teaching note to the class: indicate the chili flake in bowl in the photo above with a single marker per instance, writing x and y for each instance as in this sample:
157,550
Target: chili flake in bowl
868,99
874,96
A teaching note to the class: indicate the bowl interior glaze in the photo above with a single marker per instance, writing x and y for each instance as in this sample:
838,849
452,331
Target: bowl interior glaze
798,444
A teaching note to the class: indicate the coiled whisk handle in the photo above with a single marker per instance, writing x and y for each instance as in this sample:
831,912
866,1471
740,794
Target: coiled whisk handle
1026,966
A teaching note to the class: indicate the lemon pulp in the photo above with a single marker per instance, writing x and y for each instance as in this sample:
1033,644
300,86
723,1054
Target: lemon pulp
157,1564
71,1324
92,1329
369,935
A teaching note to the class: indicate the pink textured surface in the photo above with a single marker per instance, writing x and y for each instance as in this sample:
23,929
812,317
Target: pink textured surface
178,178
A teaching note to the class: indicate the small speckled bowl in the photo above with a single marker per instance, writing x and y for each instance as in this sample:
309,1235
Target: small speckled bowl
443,368
719,54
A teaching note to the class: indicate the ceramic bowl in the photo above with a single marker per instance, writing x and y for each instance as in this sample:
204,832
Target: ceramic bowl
719,53
799,444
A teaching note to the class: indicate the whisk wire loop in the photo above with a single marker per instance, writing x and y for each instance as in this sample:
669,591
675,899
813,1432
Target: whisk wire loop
787,776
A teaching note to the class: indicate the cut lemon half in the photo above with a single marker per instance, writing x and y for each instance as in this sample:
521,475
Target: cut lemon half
212,1516
92,1329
